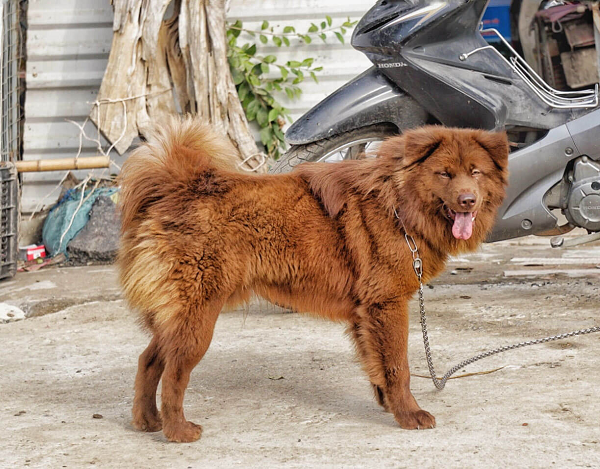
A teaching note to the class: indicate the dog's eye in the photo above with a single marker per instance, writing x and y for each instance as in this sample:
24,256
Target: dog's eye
444,174
475,172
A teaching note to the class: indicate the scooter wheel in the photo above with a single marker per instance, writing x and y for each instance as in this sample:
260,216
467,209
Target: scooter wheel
354,144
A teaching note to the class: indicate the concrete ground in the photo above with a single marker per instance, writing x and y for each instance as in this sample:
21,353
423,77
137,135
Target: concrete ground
284,390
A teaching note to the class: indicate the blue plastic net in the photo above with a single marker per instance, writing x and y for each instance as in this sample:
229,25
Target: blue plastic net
60,216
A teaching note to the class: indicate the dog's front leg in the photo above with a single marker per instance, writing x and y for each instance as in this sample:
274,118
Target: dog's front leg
381,334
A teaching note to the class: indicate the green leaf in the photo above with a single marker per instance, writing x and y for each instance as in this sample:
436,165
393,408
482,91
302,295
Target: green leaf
318,69
248,100
238,77
340,37
348,24
289,92
234,62
329,21
289,29
254,80
276,86
237,31
323,25
323,37
251,50
313,28
243,91
251,33
314,77
278,133
306,38
257,70
270,59
273,115
343,29
264,68
266,135
307,62
262,117
299,76
284,72
265,25
277,41
294,64
286,41
264,39
252,109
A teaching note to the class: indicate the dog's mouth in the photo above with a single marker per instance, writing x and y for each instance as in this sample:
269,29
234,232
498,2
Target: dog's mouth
462,222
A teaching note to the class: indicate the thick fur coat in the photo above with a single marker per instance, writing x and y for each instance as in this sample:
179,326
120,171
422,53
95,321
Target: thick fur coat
197,235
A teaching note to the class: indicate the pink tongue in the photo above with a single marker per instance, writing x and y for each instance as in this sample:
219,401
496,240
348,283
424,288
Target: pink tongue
463,225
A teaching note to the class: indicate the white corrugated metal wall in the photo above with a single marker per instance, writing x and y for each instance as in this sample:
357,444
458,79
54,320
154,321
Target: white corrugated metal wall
68,43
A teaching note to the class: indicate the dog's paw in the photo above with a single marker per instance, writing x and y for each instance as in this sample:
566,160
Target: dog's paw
185,432
147,422
417,420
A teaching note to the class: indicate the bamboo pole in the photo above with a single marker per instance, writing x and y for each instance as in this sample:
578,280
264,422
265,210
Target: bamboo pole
61,164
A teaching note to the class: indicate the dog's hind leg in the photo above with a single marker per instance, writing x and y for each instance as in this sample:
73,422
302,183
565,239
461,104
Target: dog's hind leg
150,368
185,341
359,338
380,397
381,334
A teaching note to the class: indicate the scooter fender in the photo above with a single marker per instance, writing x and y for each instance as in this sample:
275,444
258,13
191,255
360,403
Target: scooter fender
368,99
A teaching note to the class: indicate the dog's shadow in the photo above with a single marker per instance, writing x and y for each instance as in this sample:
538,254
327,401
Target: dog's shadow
333,386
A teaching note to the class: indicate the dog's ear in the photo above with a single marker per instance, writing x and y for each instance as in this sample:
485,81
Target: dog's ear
325,184
496,144
420,144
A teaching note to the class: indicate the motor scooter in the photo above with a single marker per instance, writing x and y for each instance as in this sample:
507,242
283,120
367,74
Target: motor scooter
432,65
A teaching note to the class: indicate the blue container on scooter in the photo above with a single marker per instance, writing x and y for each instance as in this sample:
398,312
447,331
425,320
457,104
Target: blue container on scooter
497,16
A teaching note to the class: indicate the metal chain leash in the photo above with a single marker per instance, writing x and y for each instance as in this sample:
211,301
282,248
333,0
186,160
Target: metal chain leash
441,383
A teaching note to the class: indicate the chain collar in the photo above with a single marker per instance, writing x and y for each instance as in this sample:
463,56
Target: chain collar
412,245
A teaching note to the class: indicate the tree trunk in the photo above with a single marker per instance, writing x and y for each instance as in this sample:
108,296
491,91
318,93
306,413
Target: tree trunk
160,67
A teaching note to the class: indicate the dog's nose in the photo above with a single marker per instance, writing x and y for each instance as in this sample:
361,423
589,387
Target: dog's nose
467,201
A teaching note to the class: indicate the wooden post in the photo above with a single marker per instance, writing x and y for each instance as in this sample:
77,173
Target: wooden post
62,164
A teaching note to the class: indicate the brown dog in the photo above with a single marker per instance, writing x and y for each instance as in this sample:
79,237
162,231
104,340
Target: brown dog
198,235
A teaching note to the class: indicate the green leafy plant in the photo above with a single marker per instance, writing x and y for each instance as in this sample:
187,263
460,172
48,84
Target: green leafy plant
260,79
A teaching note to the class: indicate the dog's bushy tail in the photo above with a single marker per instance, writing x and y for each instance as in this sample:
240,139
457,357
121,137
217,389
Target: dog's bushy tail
174,155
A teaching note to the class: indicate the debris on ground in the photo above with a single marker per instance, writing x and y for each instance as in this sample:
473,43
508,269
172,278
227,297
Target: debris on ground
10,313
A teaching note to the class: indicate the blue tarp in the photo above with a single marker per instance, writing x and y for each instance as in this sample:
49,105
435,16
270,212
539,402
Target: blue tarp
60,216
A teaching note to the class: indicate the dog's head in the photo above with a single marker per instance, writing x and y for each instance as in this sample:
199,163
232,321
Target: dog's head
438,178
455,174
